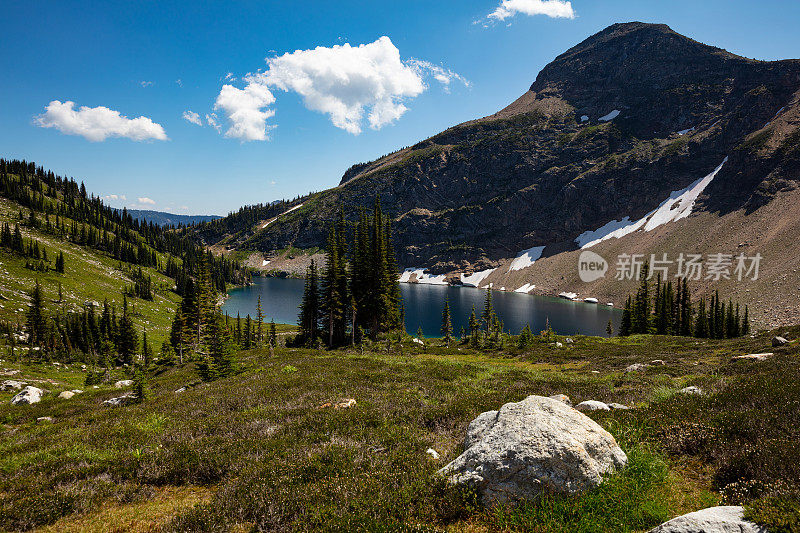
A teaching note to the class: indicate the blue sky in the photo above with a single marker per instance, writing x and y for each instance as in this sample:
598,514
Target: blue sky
128,57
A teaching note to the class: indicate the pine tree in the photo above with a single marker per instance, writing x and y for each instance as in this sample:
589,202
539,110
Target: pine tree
309,308
128,338
37,317
525,337
640,320
273,334
488,311
626,324
447,324
260,320
610,327
147,352
473,327
140,389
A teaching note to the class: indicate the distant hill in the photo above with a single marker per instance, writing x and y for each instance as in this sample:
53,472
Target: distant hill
163,219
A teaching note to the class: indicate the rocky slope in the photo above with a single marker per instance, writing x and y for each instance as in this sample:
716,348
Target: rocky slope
610,129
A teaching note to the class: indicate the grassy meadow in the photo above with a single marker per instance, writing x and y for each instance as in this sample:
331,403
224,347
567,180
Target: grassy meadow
267,450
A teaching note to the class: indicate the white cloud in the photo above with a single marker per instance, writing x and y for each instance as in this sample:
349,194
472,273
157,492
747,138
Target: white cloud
145,83
213,121
244,110
144,200
97,123
115,197
345,82
550,8
194,118
179,82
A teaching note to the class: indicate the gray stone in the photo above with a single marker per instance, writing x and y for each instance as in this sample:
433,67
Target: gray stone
691,390
44,420
562,398
27,396
779,341
723,519
534,446
123,383
753,357
66,395
637,367
120,400
618,406
11,384
592,405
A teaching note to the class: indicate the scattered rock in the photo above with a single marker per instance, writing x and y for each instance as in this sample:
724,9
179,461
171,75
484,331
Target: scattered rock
66,395
569,340
692,390
433,453
658,362
753,356
418,341
11,384
8,372
77,391
44,420
779,341
723,519
559,345
592,405
637,367
182,389
618,406
534,446
123,383
563,398
595,371
345,404
120,400
27,396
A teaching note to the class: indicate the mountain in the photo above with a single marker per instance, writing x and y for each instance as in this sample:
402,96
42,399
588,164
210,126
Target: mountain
169,219
608,132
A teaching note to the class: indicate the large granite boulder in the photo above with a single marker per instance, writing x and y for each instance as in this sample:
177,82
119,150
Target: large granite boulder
27,396
533,446
724,519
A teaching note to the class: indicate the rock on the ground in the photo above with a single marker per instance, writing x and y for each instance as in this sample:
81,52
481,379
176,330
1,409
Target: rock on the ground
723,519
691,390
562,398
659,362
433,453
66,395
618,406
11,384
779,341
44,420
27,396
120,400
123,383
753,357
637,367
559,345
345,404
592,405
534,446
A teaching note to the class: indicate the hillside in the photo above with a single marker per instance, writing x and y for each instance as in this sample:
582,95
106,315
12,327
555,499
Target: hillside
610,129
107,255
169,219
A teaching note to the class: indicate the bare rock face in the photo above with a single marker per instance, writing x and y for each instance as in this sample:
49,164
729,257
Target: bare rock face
27,396
592,405
11,384
724,519
779,341
533,446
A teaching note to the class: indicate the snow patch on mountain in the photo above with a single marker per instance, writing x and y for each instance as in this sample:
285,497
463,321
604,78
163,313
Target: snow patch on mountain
526,258
525,289
268,222
422,277
679,205
474,280
611,116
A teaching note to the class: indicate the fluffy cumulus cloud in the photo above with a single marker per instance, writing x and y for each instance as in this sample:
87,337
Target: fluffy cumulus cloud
350,84
97,123
245,110
194,118
144,200
115,197
550,8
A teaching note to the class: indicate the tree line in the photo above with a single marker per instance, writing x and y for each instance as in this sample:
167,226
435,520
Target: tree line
667,309
357,292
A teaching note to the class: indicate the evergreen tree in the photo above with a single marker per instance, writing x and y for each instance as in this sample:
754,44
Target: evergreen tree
310,308
447,325
610,327
147,352
525,337
140,389
640,319
127,341
473,327
626,324
260,322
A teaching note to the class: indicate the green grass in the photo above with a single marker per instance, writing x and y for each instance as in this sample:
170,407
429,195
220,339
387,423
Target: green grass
272,455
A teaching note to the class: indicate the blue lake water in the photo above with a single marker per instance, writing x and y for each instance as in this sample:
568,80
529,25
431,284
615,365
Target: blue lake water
423,304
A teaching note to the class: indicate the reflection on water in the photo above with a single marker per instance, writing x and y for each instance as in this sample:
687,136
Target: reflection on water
423,304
